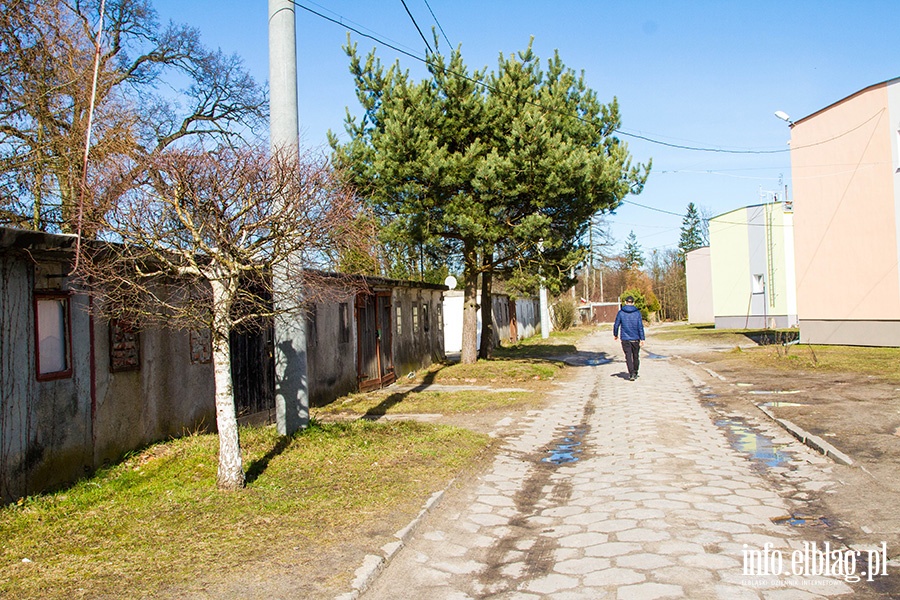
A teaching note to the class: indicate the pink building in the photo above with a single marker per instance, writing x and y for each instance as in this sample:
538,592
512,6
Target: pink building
845,162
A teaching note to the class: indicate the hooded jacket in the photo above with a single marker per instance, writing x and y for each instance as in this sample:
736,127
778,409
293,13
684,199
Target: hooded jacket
629,320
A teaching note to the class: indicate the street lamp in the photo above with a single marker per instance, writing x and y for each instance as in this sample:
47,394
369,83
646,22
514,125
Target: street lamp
784,117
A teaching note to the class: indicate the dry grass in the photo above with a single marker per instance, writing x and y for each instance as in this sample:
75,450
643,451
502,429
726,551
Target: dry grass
156,521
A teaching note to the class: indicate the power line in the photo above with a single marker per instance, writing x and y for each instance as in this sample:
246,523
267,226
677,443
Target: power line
492,89
433,16
427,45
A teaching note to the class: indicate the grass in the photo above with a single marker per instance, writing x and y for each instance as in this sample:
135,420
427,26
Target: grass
156,521
461,401
877,362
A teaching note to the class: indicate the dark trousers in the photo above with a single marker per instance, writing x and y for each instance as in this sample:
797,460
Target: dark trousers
632,349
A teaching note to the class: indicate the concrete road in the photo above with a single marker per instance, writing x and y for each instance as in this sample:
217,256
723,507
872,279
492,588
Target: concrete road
624,490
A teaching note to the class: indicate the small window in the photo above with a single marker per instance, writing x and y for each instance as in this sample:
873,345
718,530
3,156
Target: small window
415,317
344,318
399,321
758,283
124,346
440,316
425,323
201,346
53,336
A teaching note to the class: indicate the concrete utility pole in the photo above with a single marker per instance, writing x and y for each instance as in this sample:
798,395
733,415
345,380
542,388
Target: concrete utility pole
291,384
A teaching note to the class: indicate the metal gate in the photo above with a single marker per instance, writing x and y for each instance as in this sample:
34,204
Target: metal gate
375,360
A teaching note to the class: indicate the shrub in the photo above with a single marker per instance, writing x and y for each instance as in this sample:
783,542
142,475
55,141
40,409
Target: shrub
564,314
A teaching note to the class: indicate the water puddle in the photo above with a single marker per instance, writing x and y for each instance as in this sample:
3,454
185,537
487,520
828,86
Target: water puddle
653,356
567,449
593,362
759,447
801,520
773,392
777,404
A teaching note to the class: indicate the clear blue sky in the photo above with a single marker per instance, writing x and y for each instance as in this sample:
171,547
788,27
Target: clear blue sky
695,73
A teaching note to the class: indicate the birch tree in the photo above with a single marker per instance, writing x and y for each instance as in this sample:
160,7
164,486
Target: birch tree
194,243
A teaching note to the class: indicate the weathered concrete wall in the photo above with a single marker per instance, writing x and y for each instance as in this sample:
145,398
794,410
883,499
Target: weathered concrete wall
45,426
167,396
331,358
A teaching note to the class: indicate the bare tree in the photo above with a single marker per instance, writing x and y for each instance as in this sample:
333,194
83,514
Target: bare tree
194,245
47,54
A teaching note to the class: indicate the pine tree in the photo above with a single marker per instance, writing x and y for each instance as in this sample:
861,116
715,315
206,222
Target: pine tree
691,231
634,256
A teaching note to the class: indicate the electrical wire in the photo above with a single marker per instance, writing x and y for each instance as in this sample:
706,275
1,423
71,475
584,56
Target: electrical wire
433,16
492,89
427,45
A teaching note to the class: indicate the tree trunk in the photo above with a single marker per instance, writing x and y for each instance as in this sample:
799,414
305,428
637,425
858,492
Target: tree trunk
487,308
231,467
469,352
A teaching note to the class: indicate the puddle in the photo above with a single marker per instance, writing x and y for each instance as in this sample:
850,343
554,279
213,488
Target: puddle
801,520
777,404
772,392
757,446
567,449
710,395
593,362
653,356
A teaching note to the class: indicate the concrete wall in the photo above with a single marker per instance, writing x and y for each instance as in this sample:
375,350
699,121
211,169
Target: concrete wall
45,426
528,320
168,396
331,360
698,272
846,171
751,266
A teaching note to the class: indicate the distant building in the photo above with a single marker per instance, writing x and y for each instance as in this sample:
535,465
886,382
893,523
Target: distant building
752,267
845,161
698,273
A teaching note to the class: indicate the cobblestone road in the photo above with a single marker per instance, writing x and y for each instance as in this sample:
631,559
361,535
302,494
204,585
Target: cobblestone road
617,489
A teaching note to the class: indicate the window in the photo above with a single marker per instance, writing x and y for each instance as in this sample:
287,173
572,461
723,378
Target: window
124,346
201,346
52,335
344,318
758,284
399,321
440,316
415,317
425,324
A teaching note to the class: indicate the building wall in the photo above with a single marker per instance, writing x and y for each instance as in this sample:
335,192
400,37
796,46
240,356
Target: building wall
847,218
168,395
45,426
331,359
752,268
421,340
528,321
698,272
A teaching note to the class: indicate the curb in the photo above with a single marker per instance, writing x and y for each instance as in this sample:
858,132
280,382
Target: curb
373,564
813,441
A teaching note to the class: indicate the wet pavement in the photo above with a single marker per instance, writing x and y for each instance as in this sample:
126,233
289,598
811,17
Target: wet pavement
625,490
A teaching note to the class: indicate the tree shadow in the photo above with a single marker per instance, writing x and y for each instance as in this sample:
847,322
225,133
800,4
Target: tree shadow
258,466
396,398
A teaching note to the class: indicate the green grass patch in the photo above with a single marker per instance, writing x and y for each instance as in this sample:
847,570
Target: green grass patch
464,401
879,362
559,343
155,521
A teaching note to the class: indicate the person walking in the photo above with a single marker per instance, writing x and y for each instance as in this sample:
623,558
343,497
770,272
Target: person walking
628,319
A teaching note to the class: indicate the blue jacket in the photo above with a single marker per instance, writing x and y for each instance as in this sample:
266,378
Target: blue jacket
629,319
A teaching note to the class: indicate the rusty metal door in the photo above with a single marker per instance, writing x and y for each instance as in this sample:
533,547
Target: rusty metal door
375,362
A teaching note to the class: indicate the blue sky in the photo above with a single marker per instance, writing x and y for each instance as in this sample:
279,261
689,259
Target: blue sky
704,74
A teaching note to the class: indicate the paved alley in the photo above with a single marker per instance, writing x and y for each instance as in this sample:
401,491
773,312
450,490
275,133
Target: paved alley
618,489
